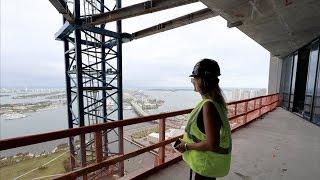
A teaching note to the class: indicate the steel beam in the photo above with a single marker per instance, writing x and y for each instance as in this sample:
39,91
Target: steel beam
62,8
104,84
101,31
165,26
69,97
175,23
65,31
68,28
135,10
108,44
79,84
120,89
98,88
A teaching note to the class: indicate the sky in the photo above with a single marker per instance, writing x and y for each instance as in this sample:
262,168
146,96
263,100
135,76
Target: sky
31,57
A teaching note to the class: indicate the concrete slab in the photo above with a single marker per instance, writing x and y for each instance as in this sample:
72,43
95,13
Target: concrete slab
279,26
281,146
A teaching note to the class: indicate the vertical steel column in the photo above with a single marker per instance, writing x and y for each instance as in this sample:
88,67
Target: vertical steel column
104,83
120,94
69,103
78,57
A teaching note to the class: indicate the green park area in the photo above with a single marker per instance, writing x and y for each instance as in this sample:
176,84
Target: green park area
34,167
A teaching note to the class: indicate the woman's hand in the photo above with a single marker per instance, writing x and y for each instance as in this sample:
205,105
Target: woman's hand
181,147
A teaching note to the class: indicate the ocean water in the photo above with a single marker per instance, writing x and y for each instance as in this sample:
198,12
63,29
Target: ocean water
56,119
174,100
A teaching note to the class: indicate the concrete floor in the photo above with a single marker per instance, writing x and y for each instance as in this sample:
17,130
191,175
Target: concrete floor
278,147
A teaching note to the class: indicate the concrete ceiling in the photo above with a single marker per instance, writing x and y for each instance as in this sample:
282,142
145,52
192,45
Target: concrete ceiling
280,26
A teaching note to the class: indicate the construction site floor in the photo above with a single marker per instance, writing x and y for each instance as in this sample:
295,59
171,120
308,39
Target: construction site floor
280,146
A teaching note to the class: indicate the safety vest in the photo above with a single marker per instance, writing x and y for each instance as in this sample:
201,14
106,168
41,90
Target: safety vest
208,163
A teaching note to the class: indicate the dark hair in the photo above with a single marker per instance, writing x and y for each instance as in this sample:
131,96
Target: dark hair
210,87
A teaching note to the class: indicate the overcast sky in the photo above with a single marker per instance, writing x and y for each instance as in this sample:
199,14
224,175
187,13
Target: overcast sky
31,57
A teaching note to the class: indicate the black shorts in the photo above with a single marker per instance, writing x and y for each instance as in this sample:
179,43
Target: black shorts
199,177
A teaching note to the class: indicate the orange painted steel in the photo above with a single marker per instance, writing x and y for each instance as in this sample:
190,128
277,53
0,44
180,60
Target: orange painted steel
162,135
44,137
239,113
96,166
98,146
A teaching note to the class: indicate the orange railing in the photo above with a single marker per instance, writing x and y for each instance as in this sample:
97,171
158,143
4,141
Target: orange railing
239,113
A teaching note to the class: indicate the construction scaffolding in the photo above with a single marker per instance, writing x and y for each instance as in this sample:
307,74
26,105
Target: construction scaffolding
93,67
93,77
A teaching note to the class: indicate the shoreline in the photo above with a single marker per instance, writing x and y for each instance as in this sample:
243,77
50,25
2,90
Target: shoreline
21,110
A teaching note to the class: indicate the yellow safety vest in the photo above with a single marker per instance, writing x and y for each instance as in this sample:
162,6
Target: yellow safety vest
208,163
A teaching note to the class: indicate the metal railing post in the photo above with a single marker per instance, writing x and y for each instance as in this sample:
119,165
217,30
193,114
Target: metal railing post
246,112
121,150
98,146
269,101
162,131
260,106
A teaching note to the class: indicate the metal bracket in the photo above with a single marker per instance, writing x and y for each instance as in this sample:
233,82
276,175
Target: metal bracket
234,24
161,26
65,31
148,5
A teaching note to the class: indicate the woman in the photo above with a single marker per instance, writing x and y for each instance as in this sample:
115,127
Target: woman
206,144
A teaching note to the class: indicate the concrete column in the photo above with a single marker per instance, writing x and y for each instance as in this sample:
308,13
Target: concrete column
274,74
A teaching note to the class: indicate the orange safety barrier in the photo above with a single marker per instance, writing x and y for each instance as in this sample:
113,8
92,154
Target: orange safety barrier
239,113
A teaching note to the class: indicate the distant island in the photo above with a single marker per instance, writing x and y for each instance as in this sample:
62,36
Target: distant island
40,99
171,89
18,110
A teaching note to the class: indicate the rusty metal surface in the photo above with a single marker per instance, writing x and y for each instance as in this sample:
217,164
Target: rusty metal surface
175,23
137,10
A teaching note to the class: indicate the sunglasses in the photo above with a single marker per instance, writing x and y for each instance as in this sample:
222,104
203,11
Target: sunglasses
192,80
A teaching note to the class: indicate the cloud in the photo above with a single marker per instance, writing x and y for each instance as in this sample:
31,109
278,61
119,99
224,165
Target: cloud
31,57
